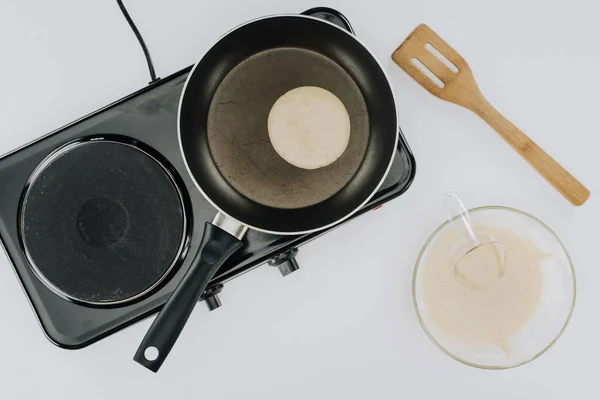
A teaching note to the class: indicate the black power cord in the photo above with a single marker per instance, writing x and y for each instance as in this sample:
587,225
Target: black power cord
141,40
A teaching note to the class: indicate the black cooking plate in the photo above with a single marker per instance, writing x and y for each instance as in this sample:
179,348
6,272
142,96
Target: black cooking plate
144,125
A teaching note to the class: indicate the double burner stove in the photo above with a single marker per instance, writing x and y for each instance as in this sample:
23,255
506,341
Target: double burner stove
101,220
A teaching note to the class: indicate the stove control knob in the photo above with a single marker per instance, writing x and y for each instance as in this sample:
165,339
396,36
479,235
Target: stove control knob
213,302
286,262
211,296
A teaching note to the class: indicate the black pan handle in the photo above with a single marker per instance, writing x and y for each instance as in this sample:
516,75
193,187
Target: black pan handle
330,15
216,247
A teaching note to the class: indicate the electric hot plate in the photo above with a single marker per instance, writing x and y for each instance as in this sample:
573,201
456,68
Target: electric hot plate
98,217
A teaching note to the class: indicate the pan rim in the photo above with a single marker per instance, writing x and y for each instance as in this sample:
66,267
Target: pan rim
301,232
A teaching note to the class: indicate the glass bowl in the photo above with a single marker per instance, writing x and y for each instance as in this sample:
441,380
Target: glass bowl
551,316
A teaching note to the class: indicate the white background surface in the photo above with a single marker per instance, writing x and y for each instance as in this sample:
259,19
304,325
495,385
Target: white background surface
343,327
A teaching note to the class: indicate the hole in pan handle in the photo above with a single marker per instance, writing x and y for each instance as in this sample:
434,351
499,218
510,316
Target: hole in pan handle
220,240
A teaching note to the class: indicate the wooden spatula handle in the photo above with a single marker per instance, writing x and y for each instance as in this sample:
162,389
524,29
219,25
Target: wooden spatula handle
552,171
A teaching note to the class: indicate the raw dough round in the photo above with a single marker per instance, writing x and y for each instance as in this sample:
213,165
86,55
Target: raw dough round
309,127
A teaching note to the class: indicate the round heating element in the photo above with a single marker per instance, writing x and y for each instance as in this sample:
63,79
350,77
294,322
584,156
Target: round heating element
102,222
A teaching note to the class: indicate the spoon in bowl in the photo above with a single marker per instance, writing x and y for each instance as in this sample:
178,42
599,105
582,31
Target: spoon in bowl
481,258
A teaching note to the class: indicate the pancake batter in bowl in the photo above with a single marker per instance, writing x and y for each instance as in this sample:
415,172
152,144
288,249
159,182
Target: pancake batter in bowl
489,314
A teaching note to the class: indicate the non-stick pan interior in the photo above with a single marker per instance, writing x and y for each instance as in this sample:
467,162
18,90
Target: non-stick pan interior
238,136
310,36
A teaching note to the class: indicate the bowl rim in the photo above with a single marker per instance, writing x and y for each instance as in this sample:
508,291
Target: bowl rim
483,366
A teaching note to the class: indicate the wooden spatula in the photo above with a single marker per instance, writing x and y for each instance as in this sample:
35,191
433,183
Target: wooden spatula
455,83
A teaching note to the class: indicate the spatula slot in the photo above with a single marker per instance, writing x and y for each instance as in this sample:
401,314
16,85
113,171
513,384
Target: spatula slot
428,73
441,57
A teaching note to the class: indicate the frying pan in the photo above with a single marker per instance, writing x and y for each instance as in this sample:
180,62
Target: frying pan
223,137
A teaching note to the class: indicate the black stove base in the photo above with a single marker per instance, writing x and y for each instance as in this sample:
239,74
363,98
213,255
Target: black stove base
147,117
